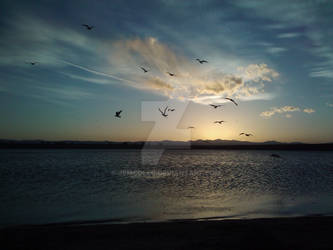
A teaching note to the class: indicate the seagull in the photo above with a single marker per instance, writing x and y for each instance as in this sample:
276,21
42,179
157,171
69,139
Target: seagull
88,27
118,114
215,106
164,112
201,61
32,63
190,127
144,70
246,134
232,100
219,122
171,74
171,110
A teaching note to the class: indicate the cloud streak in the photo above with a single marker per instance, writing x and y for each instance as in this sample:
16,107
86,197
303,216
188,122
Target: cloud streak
191,80
308,110
284,109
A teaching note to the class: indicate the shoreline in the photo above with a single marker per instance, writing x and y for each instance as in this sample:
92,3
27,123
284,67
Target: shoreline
305,232
279,147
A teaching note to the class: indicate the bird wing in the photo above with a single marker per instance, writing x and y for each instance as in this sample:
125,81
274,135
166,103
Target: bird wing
160,110
120,111
204,61
165,110
234,102
241,134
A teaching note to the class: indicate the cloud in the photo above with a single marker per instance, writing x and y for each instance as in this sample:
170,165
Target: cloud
56,46
309,111
273,111
312,18
158,84
29,38
275,50
88,79
288,35
191,80
285,109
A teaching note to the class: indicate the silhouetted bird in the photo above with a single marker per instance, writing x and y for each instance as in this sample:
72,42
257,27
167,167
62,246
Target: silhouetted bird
232,100
215,106
190,127
88,27
32,63
171,74
246,134
144,70
163,113
201,61
220,122
275,155
118,114
171,110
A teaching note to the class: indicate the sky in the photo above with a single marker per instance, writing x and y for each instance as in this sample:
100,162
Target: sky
275,59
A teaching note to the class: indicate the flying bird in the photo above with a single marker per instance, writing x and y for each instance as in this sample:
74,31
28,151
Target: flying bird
144,70
171,110
171,74
215,106
201,61
232,100
246,134
220,122
118,114
88,27
163,113
32,63
190,127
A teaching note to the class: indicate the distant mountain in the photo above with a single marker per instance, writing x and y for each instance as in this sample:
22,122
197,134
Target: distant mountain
216,142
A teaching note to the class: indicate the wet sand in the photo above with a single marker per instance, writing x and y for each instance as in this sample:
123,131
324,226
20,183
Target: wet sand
313,232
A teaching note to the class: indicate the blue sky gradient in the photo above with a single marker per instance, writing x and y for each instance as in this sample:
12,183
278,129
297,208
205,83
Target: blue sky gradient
274,58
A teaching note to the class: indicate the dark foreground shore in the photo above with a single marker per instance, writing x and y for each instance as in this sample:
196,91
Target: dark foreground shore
280,233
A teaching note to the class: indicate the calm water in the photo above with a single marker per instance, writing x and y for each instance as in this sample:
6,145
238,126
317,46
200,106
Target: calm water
48,186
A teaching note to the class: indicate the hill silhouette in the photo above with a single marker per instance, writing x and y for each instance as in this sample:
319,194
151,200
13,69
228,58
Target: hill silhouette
166,144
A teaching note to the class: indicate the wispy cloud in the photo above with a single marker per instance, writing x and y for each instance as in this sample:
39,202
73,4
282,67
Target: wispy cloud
276,50
191,80
288,35
89,79
280,110
285,109
308,110
29,38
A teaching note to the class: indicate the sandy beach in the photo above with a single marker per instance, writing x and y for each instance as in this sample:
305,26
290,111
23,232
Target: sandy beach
312,232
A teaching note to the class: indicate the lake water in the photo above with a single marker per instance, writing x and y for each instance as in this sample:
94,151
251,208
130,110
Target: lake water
50,186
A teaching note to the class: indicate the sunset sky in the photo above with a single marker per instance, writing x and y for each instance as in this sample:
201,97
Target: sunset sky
275,58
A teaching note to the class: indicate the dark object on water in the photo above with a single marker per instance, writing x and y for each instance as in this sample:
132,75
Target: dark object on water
275,155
